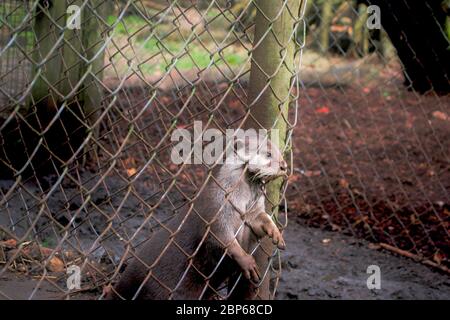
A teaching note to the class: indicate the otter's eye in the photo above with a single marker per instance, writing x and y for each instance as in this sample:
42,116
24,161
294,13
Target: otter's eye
269,154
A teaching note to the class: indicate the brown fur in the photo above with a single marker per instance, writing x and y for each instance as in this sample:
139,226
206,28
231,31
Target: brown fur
197,251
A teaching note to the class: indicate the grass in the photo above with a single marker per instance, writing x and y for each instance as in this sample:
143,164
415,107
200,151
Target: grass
197,57
48,243
166,49
130,24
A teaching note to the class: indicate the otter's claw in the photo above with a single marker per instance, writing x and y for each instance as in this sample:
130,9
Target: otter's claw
275,234
249,268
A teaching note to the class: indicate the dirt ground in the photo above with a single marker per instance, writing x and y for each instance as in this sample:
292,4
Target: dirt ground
326,265
316,265
375,165
370,162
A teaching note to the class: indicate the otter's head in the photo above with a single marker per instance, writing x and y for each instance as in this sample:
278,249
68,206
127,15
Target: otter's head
262,158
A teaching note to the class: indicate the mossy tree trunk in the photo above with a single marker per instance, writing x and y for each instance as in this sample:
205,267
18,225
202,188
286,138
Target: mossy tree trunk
387,49
270,80
309,9
360,32
325,25
65,98
93,40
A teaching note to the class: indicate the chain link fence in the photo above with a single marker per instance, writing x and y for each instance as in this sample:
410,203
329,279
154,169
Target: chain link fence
372,155
89,103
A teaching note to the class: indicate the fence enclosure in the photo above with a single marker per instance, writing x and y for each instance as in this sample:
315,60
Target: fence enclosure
87,114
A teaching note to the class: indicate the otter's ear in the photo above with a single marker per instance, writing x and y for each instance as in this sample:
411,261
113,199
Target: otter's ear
241,150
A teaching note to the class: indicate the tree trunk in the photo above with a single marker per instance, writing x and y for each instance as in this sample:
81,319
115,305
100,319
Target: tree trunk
41,144
269,97
309,9
416,30
93,40
387,49
325,24
360,35
65,98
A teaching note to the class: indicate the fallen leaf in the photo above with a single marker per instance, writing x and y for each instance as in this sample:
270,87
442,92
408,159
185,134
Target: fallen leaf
55,265
344,183
438,257
294,178
326,241
21,267
309,173
10,243
46,252
35,251
235,104
413,219
440,115
323,110
131,171
335,227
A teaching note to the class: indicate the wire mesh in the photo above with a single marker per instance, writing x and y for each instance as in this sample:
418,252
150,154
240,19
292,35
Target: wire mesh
86,117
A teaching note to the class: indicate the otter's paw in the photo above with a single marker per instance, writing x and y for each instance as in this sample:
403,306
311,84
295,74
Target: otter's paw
249,268
274,233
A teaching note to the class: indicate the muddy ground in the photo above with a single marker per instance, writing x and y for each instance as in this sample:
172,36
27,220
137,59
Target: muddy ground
326,265
316,265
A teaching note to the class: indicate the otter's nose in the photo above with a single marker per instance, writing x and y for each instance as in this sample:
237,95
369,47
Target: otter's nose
283,165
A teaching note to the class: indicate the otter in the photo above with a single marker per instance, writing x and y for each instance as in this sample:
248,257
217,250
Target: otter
201,248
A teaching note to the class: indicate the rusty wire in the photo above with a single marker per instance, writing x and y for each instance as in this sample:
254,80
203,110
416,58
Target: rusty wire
167,64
